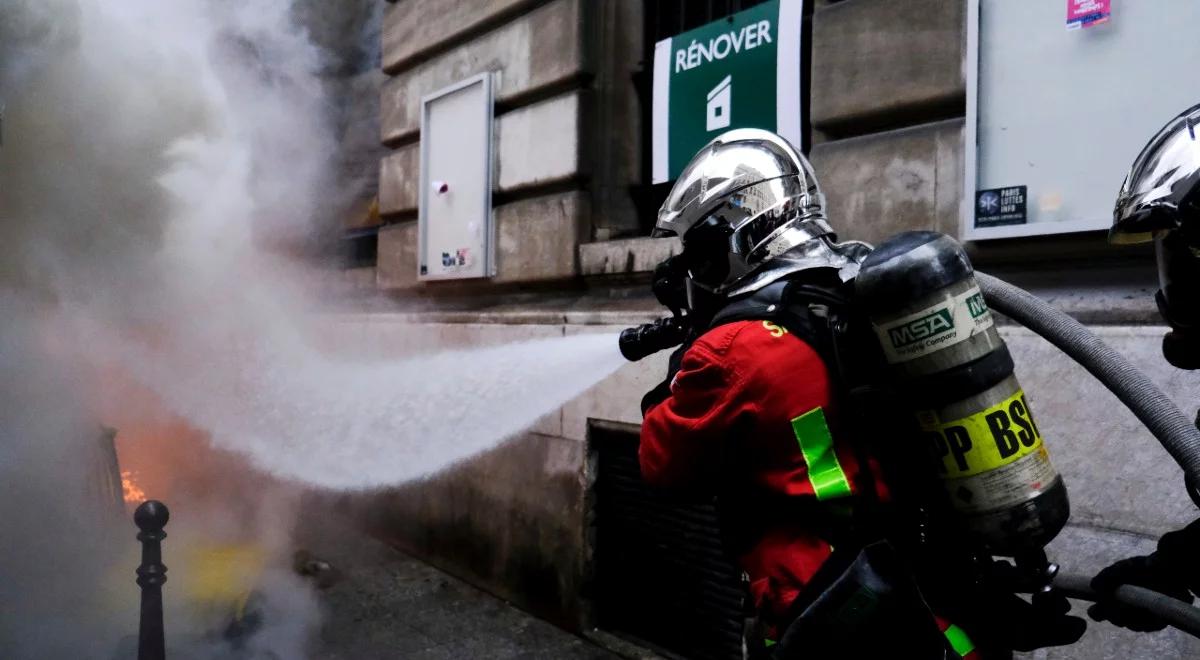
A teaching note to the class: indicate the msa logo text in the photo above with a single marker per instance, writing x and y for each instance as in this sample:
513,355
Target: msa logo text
920,329
976,306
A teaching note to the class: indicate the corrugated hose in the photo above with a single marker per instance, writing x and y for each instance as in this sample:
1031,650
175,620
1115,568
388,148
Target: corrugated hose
1177,433
1169,610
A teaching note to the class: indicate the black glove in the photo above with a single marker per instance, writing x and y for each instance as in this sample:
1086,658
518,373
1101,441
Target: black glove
1171,570
1001,620
1149,572
1177,552
669,283
979,599
661,391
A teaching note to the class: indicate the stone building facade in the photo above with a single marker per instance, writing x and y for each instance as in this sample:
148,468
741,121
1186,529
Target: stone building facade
887,113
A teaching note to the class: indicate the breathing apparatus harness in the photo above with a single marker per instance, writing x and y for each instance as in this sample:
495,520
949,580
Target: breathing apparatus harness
816,306
868,583
1178,433
946,546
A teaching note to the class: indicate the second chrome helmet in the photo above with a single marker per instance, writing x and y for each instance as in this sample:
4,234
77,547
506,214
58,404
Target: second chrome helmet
1160,201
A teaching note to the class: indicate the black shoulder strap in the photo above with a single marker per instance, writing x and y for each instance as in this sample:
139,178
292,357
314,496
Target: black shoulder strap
823,314
777,303
814,312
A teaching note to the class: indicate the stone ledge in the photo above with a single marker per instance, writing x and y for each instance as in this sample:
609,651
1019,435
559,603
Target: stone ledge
626,256
571,315
1095,304
1106,294
538,50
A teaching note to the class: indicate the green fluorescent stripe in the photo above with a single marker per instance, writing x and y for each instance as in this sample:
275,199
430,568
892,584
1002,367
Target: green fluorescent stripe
959,641
816,444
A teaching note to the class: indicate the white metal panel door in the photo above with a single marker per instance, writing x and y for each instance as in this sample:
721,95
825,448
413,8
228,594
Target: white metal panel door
1064,112
455,214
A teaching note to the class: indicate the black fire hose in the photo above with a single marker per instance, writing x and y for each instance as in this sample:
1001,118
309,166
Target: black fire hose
1170,611
1178,434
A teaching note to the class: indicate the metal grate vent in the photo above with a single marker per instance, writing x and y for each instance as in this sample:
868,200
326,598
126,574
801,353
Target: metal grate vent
660,573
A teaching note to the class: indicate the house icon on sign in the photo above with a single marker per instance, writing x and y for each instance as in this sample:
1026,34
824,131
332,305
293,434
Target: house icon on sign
720,101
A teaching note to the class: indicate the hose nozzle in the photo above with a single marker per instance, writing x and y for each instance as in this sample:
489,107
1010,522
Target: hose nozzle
650,338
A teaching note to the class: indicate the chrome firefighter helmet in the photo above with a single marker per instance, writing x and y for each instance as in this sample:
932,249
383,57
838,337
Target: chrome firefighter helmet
1160,192
748,211
1160,201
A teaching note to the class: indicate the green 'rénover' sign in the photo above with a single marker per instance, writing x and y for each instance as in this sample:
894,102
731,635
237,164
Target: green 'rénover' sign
738,72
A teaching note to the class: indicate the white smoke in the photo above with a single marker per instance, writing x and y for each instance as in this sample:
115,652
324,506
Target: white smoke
158,174
163,164
149,151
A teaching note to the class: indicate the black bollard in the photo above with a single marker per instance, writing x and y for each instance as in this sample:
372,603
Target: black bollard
151,517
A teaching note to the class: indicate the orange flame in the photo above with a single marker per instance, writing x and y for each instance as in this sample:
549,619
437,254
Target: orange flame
132,492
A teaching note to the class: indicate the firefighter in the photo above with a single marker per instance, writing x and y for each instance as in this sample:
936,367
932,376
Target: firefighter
756,409
1160,202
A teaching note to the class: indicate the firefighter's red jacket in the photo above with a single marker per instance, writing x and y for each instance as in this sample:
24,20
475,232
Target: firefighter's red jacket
752,415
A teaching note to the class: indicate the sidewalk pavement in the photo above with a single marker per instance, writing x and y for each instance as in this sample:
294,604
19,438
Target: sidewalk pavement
385,604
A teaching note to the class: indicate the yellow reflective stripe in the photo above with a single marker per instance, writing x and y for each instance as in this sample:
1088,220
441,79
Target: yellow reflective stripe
959,641
824,470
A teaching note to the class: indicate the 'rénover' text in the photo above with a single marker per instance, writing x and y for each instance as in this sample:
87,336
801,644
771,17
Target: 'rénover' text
696,53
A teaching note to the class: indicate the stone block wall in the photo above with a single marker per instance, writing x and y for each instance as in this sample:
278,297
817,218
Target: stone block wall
879,184
887,100
877,64
559,177
511,521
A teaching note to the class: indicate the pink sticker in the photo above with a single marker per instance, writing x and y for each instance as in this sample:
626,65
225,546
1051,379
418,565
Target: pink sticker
1086,13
